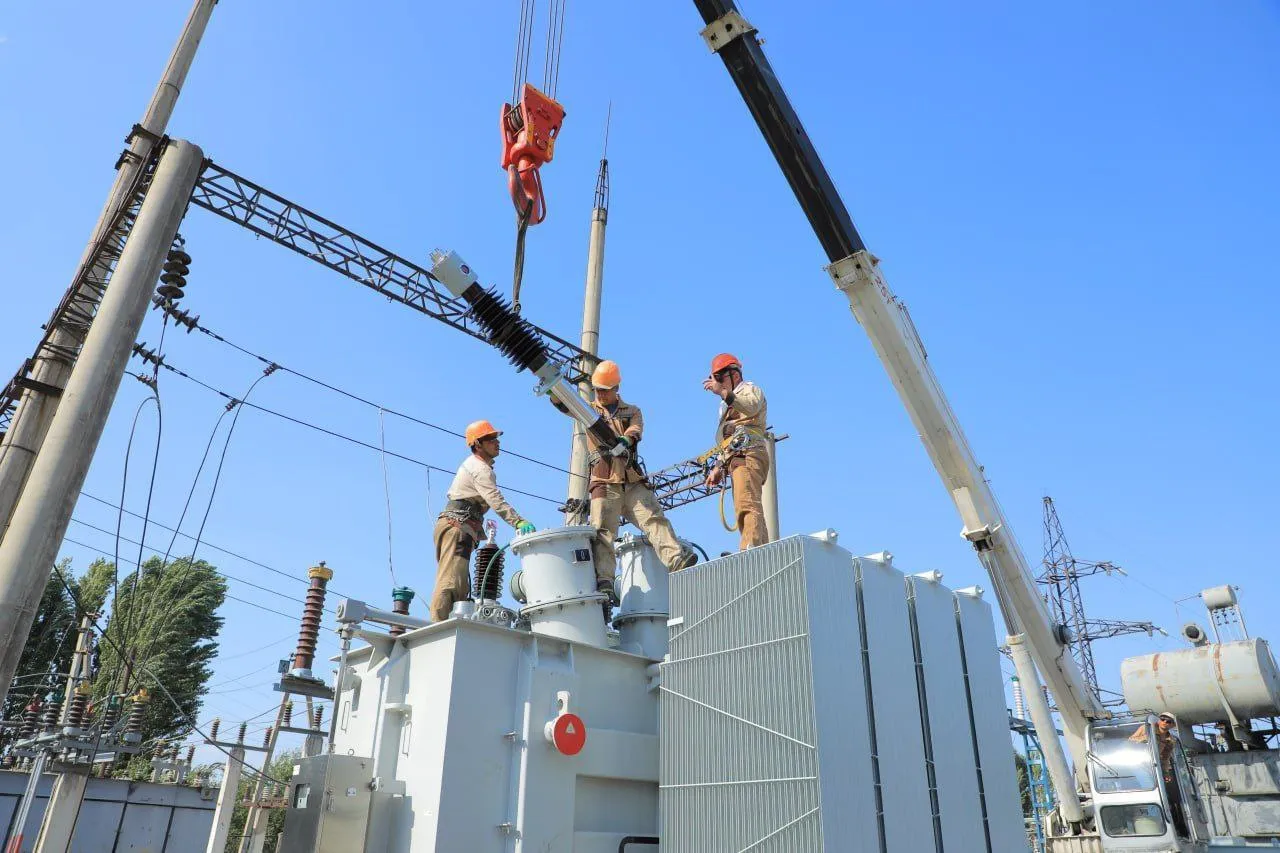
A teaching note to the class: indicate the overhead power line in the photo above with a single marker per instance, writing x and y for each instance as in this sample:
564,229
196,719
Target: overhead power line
157,551
293,618
190,322
207,544
333,433
159,683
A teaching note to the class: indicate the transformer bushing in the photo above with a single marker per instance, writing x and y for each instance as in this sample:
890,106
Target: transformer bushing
401,597
75,716
133,723
312,613
30,720
52,714
111,715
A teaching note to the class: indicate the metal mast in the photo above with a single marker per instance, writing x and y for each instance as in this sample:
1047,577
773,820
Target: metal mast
1061,579
578,469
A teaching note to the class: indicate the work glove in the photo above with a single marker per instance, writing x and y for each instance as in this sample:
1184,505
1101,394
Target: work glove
622,448
525,527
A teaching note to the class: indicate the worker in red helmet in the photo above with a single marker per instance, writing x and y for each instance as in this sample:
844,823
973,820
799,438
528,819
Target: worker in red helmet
618,486
744,452
474,492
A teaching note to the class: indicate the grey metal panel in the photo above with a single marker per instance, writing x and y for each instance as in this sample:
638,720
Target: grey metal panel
8,805
896,703
104,803
991,724
956,775
844,738
188,826
32,827
96,826
763,744
144,828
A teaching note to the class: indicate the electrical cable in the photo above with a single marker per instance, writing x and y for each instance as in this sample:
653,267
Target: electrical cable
208,544
247,583
338,435
124,624
157,681
226,595
363,400
156,551
386,490
213,491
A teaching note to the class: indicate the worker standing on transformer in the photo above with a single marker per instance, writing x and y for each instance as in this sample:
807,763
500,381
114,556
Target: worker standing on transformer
474,492
618,487
742,446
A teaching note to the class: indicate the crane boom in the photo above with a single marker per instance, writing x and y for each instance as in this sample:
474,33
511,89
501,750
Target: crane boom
885,320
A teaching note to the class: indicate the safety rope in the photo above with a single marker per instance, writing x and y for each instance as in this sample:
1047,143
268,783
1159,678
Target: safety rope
724,487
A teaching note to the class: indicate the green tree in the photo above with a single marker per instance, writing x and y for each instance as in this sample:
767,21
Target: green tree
50,644
1024,786
164,621
281,770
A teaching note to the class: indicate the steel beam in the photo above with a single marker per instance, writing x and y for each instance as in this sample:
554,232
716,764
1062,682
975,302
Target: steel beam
311,235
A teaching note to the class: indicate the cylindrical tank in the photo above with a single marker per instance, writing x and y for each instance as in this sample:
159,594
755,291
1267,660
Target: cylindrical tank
557,583
1193,684
643,588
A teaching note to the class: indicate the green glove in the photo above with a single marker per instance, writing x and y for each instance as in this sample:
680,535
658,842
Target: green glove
525,527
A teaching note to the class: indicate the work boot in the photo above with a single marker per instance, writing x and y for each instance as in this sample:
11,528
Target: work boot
686,559
605,586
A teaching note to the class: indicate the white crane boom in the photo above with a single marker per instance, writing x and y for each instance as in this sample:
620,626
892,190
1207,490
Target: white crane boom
886,322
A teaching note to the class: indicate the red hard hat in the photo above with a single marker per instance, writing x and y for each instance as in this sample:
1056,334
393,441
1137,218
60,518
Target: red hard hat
724,361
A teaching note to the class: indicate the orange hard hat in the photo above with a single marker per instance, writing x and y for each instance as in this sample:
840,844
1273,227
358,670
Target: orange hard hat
723,362
606,375
477,430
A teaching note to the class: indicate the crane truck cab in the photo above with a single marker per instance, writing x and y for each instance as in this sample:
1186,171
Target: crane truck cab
1138,805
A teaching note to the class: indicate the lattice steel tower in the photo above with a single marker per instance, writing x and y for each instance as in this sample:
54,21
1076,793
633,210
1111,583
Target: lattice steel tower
1061,579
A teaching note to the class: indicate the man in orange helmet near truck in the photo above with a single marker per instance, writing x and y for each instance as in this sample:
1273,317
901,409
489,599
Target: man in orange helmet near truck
743,446
618,487
474,492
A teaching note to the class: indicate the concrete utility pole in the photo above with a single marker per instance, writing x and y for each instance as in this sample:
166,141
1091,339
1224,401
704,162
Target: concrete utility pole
578,480
59,821
255,820
53,362
41,517
226,801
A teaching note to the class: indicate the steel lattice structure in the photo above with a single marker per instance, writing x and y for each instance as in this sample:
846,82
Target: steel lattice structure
311,235
270,215
1061,579
75,312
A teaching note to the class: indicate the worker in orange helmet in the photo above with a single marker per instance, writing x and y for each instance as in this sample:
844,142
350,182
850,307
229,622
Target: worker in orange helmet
741,437
618,486
474,492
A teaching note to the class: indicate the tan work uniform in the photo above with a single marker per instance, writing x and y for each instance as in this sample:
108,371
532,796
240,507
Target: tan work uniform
618,490
749,467
474,492
1166,743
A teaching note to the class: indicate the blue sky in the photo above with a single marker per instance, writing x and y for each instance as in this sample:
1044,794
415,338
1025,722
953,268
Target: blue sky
1078,203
